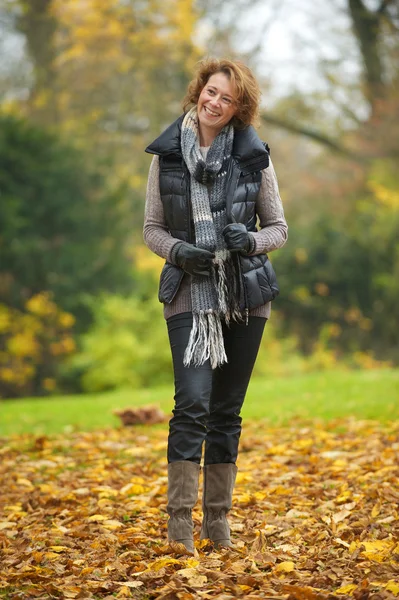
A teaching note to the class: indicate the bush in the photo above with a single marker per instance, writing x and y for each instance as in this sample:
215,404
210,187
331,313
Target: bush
343,270
62,229
33,345
126,346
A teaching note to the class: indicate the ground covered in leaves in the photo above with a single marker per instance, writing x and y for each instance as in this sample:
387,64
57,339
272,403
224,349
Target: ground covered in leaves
315,516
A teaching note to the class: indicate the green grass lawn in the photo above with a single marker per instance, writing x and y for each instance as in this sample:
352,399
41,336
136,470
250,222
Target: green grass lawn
325,395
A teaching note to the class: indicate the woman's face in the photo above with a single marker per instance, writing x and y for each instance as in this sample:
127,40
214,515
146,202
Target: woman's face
216,104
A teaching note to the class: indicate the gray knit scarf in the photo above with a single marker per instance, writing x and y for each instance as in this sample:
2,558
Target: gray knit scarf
214,298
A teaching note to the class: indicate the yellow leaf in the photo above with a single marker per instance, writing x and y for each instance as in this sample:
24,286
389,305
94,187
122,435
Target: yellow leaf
86,570
376,510
376,550
343,497
244,477
59,548
280,449
97,518
134,489
352,547
51,556
25,482
135,452
162,562
285,567
46,488
346,589
124,592
192,562
37,556
393,587
340,462
306,443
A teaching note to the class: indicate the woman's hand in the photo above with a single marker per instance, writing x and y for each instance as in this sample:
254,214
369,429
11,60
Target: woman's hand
237,238
193,260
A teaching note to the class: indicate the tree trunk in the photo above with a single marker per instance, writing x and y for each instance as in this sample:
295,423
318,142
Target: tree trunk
37,24
366,26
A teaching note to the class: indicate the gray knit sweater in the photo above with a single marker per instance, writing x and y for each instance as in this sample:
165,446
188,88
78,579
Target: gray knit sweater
272,234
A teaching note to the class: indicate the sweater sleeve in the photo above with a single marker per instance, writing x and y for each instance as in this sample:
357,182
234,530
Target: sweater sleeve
269,208
156,234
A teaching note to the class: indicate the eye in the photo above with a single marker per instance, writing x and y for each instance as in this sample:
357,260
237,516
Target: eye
227,100
211,91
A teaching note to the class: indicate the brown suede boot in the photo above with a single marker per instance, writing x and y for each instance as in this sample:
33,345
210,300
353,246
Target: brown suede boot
183,478
217,495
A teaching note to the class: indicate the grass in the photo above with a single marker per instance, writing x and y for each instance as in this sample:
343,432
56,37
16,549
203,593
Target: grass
324,395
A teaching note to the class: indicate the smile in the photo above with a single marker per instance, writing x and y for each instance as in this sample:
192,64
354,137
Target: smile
210,112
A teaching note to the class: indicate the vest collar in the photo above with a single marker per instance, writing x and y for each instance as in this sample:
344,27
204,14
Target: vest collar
169,141
249,151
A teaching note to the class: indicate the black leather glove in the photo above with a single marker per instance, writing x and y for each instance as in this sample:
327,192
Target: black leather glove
238,238
193,260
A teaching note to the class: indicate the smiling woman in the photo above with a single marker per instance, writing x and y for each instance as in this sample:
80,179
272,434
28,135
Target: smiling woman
211,178
237,86
216,107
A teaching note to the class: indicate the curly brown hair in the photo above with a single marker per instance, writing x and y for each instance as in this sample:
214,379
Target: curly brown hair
246,88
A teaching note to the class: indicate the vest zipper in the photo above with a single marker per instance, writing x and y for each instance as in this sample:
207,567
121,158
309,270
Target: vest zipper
246,309
190,239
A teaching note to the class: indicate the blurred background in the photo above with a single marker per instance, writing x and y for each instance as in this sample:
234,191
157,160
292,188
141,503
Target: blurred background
85,85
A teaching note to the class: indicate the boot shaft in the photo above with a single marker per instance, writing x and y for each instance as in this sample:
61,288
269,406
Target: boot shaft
219,480
183,479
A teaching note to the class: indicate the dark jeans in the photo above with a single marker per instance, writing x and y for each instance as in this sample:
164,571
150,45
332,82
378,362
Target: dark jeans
208,402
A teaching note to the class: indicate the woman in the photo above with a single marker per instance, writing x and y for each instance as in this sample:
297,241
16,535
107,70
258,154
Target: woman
210,179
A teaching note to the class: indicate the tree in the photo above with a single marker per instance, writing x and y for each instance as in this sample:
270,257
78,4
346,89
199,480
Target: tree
101,67
360,102
108,74
62,228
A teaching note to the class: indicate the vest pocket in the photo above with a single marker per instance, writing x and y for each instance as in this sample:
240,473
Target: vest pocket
169,282
259,279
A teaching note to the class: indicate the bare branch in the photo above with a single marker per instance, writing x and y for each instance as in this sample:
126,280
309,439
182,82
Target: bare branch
384,4
314,135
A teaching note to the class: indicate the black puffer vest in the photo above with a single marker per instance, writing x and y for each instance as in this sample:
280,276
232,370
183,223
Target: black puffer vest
249,157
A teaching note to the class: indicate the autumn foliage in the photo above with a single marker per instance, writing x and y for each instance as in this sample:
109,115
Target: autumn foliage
88,85
34,342
315,517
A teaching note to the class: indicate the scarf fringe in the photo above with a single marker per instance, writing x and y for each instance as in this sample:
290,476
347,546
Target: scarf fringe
227,289
206,341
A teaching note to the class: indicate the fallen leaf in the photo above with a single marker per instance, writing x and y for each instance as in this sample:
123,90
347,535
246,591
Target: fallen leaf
97,518
347,589
393,587
144,415
286,566
319,515
194,579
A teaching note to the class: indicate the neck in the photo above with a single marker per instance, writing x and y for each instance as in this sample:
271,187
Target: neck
207,135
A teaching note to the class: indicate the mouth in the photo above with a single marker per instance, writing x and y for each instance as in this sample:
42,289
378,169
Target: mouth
210,112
